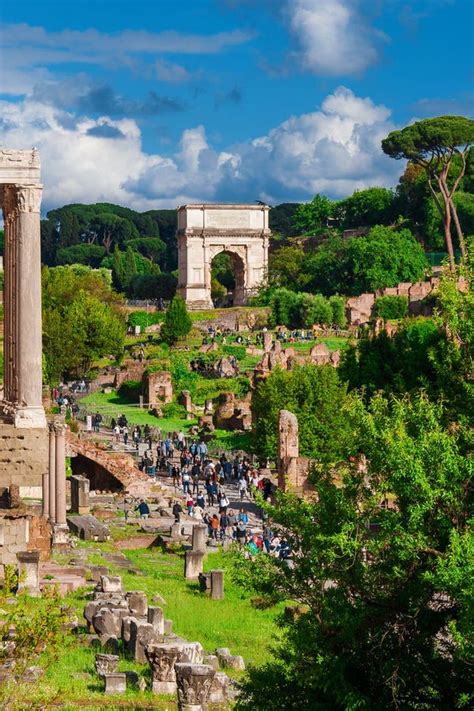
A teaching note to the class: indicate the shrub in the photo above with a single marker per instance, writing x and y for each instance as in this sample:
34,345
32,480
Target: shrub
338,308
391,307
144,318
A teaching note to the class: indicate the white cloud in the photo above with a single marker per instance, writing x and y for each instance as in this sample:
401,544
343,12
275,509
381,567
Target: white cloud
171,72
22,45
333,36
333,150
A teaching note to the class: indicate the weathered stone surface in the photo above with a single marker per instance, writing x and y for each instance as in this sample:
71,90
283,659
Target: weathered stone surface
115,683
234,662
217,584
211,660
28,566
137,603
158,388
162,659
193,564
108,622
106,663
88,528
141,635
111,583
194,684
222,689
156,618
80,494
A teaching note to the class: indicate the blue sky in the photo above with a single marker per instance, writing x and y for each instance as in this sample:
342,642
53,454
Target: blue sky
153,103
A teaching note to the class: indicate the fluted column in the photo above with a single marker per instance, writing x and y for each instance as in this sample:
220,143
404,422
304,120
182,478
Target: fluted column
60,430
52,473
46,495
30,391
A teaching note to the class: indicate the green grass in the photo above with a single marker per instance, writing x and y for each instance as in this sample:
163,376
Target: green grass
70,681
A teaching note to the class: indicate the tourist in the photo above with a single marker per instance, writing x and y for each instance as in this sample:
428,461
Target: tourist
232,521
267,537
96,420
202,450
185,479
243,516
177,510
181,441
214,526
241,532
242,485
175,474
126,509
223,502
136,436
200,500
223,524
125,435
116,431
190,505
143,509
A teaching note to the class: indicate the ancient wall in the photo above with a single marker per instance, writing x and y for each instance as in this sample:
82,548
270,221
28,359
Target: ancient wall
359,308
23,458
293,470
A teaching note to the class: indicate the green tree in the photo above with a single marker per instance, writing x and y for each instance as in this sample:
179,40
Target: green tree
390,307
338,308
151,247
318,398
372,206
89,254
82,320
382,258
382,571
129,267
286,267
177,323
313,216
434,145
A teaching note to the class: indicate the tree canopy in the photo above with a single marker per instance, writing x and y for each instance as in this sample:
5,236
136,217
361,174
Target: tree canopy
82,320
433,144
177,323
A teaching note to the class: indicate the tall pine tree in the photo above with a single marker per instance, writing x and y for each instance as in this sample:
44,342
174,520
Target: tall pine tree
177,323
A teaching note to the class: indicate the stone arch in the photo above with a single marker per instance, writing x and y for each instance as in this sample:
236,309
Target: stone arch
204,231
238,261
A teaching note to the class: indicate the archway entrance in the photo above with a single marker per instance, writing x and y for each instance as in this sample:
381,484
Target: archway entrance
227,279
205,232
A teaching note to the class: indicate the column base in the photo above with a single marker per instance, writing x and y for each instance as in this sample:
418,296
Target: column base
61,538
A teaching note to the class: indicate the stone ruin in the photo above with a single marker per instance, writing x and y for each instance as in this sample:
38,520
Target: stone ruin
292,469
232,413
359,308
177,666
275,356
158,388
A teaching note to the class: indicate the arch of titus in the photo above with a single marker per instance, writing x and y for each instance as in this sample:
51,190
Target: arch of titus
204,231
23,427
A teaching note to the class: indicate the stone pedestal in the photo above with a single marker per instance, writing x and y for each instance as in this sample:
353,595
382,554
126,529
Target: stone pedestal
28,568
80,486
199,538
217,584
115,683
194,685
193,564
162,659
137,603
61,535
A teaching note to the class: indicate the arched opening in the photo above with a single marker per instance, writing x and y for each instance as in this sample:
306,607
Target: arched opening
227,279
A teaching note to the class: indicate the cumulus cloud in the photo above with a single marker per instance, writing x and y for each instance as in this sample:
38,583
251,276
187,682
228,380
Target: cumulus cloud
333,150
333,36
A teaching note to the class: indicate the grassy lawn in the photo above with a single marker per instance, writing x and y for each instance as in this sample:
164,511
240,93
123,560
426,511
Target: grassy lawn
70,681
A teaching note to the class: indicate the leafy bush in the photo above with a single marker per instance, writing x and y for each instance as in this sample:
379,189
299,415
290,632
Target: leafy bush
144,318
338,307
237,351
391,307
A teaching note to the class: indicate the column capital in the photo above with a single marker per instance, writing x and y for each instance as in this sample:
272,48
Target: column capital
28,198
60,428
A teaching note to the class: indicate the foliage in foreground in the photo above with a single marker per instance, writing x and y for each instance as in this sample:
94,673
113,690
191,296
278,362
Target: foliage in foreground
385,593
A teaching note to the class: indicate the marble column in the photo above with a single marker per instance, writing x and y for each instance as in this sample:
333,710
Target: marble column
46,495
60,431
52,473
23,354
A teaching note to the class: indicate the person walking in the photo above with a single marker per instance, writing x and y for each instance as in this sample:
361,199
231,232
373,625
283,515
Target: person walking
214,526
143,509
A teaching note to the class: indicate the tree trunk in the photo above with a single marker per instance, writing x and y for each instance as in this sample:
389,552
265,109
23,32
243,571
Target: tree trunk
459,232
448,238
